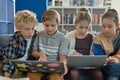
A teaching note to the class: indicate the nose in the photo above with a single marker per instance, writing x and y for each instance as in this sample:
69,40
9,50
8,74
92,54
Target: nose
49,28
106,29
31,31
83,30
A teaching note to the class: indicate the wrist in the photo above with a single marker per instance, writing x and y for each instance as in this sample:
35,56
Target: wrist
42,55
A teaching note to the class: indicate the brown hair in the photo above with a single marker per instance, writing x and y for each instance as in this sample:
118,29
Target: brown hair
112,13
25,18
51,14
83,14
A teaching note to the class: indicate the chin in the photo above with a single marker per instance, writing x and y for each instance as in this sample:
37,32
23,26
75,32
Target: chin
50,33
29,37
108,35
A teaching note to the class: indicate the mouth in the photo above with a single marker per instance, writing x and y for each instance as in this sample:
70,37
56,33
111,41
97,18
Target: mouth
107,33
50,32
82,33
29,36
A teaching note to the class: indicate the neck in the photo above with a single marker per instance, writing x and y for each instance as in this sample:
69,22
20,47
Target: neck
80,36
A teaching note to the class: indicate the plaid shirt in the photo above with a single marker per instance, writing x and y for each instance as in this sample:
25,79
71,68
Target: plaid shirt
14,49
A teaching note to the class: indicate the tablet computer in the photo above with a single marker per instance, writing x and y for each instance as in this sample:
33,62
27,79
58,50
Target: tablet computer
38,66
86,61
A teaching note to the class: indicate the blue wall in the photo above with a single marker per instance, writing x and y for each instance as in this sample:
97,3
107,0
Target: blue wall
6,16
37,6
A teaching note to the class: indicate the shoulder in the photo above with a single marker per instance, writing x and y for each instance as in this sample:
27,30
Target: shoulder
117,37
35,34
41,33
59,34
97,38
118,34
71,34
90,35
17,37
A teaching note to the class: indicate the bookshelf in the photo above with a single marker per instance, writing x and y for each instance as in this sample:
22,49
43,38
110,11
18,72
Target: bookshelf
108,3
68,14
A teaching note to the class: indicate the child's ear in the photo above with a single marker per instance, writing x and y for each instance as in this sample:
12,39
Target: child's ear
58,22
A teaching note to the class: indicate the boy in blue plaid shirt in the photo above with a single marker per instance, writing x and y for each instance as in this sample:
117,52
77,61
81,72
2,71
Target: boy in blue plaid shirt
19,45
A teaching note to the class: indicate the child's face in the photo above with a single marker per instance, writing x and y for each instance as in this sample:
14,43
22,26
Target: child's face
108,27
82,27
27,31
50,26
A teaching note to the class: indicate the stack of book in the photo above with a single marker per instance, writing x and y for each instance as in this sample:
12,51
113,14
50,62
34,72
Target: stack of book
96,18
69,18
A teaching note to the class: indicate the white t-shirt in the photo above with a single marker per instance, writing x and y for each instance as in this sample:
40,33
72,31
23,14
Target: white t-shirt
26,54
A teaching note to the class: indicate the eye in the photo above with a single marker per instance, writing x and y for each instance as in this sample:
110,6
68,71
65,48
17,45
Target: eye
46,25
53,25
109,26
103,26
86,27
32,28
27,29
81,27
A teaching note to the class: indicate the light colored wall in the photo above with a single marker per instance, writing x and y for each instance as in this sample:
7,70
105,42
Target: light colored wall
116,5
39,27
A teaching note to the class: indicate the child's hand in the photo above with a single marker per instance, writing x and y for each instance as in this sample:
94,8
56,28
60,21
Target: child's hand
43,57
6,74
76,54
66,69
110,60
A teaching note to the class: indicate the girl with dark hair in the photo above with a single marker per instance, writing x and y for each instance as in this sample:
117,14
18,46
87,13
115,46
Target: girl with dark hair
108,43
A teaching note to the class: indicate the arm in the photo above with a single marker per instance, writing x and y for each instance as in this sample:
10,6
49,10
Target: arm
118,54
41,56
8,67
36,52
71,42
117,48
71,47
117,57
64,60
63,53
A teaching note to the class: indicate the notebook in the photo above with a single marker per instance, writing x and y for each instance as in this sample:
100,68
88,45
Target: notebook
86,61
37,66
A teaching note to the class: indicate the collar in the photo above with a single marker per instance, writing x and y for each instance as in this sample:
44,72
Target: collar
20,36
52,36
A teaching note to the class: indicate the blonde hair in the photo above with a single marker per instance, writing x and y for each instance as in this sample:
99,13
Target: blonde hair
25,18
83,14
51,14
